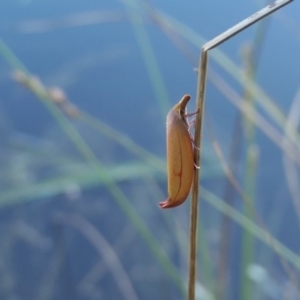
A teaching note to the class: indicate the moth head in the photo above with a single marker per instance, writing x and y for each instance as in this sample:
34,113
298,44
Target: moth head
180,108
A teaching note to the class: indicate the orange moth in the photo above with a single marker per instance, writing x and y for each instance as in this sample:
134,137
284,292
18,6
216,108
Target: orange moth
180,158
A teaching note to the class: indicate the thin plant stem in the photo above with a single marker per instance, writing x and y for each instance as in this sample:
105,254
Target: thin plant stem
102,175
290,169
105,250
151,64
229,198
195,192
260,233
252,60
202,74
251,57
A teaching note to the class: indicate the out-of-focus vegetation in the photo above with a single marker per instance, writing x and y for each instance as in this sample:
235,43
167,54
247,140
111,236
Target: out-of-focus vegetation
79,215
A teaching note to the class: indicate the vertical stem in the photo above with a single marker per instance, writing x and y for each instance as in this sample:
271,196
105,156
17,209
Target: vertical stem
202,71
226,222
195,193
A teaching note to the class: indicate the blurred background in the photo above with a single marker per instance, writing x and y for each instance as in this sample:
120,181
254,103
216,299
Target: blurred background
85,87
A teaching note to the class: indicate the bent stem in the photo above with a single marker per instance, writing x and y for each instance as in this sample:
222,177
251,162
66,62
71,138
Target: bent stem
202,71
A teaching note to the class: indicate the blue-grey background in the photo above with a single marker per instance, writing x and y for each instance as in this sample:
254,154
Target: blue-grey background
102,69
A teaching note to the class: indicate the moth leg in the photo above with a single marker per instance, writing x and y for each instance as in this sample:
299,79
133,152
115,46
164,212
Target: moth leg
197,167
192,123
193,141
193,113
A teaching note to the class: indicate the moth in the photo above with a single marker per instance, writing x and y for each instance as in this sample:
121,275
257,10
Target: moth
180,157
